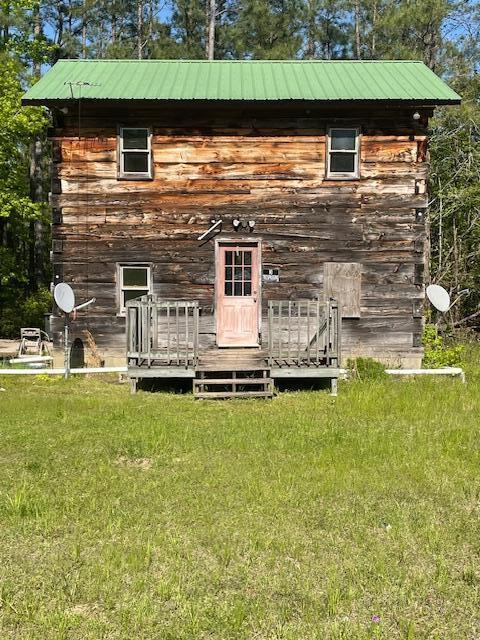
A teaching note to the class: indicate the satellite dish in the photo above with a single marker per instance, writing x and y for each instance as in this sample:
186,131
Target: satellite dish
439,297
64,297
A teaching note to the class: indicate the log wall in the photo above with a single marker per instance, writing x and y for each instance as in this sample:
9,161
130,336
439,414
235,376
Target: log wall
260,162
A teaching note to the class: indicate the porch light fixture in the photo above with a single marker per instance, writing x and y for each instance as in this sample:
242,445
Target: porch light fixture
248,225
416,116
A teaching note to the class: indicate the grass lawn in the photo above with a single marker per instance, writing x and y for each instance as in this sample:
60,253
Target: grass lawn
305,517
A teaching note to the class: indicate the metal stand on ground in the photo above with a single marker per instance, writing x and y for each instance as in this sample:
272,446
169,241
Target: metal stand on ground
65,299
66,350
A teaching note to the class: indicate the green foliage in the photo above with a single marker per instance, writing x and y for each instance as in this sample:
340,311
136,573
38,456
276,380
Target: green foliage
366,369
25,312
455,198
18,213
328,29
437,353
415,30
267,29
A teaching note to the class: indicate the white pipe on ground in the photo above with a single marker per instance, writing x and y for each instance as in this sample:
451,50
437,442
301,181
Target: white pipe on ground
28,359
444,371
60,372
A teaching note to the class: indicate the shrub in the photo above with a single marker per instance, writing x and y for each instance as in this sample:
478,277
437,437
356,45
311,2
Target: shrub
366,369
28,312
437,354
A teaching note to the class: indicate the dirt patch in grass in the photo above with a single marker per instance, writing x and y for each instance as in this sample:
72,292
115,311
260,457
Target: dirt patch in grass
87,609
135,463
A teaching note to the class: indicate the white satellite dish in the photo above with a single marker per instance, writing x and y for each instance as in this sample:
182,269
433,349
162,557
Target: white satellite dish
64,297
439,297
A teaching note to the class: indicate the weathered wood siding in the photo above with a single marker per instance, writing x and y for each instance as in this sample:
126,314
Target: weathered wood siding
260,162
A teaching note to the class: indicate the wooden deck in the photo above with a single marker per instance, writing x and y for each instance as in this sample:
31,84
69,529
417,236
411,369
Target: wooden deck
302,341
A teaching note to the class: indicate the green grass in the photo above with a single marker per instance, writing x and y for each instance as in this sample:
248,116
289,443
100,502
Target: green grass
157,517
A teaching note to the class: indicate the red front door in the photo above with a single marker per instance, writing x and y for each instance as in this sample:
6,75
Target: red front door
237,295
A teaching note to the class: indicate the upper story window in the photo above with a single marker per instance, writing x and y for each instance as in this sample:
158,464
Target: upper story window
135,150
135,280
343,153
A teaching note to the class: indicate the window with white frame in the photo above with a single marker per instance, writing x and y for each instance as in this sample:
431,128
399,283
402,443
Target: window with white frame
135,150
134,280
343,152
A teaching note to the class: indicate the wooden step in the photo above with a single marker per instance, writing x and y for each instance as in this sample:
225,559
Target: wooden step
235,378
233,394
241,368
229,381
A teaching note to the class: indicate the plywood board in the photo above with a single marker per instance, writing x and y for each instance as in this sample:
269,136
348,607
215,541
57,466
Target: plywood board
343,281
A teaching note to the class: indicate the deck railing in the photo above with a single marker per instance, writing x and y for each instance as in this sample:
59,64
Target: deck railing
162,332
303,333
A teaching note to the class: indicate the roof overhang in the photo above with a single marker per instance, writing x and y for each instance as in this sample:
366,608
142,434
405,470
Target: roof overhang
270,81
63,102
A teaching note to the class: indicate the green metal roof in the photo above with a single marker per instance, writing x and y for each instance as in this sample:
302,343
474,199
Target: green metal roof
240,80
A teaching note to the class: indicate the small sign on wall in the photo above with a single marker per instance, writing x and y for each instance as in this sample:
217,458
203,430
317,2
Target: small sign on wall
270,274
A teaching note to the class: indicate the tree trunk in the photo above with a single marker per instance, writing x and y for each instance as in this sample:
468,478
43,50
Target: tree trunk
37,231
374,30
139,28
310,52
211,15
37,32
5,31
358,49
84,30
36,180
440,228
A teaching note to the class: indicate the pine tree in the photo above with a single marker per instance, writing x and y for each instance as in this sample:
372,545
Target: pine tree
189,28
328,29
266,29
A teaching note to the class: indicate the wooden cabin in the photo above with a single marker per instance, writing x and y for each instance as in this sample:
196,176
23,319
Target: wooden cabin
262,218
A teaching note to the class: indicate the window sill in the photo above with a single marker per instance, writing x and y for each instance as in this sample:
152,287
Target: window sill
342,178
135,176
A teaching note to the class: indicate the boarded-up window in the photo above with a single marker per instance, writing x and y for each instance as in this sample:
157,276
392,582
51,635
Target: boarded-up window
343,281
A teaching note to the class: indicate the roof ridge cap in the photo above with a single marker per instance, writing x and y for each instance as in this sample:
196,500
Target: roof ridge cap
263,61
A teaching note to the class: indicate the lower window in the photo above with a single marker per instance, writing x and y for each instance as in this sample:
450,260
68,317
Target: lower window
134,281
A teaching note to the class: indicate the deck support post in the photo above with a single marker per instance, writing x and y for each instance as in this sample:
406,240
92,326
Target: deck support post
133,385
334,387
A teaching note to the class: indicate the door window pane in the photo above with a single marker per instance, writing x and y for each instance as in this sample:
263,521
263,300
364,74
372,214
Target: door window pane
238,278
